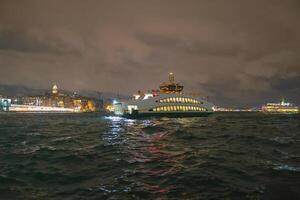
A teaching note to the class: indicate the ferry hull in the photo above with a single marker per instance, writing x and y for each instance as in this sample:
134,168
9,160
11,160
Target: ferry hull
169,115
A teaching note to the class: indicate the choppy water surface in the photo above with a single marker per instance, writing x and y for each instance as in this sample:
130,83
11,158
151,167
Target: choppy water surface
89,156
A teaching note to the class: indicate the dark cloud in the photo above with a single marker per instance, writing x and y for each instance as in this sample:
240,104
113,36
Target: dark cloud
197,48
30,41
236,52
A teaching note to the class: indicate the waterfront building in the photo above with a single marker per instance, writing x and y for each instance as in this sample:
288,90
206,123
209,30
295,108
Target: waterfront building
5,104
59,100
282,107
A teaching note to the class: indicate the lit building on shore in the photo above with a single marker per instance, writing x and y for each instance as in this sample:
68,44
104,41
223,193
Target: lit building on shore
4,104
282,107
56,99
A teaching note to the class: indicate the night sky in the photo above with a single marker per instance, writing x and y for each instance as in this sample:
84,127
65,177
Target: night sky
238,52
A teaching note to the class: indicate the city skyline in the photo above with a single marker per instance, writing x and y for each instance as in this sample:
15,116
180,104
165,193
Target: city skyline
239,54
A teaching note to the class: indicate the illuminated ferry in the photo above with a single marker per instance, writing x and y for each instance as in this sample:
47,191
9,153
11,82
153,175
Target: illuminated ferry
168,101
282,107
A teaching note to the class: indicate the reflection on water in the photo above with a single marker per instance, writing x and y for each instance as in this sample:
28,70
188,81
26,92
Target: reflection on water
224,156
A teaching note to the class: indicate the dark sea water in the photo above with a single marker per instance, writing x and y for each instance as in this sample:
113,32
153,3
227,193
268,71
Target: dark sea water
90,156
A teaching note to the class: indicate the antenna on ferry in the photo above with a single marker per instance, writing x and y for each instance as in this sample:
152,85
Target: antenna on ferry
171,77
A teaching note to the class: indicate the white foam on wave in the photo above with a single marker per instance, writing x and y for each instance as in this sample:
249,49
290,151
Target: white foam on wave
287,168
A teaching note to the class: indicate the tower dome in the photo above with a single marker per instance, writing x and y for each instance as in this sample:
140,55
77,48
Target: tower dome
54,89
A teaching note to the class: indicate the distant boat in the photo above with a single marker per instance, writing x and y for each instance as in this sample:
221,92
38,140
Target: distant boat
168,101
282,107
